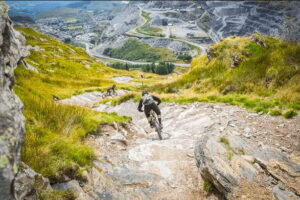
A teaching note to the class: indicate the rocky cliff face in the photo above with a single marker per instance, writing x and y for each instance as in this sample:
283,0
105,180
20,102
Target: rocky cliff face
12,51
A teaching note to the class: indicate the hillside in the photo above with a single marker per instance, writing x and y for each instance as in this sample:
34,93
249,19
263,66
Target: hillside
239,154
82,144
258,72
54,142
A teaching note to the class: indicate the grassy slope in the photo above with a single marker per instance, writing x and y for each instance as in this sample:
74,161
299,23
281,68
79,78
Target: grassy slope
135,50
54,139
267,79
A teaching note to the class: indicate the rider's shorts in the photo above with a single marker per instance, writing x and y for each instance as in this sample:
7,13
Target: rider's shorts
148,108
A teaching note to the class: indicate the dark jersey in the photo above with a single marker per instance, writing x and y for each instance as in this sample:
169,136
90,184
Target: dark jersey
141,103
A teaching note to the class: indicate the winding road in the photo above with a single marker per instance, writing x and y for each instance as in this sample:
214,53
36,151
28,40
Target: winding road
134,33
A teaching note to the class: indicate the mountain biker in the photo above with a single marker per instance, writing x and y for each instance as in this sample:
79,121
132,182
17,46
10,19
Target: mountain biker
149,103
111,90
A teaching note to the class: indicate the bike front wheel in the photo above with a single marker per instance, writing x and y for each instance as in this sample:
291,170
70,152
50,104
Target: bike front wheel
158,128
159,133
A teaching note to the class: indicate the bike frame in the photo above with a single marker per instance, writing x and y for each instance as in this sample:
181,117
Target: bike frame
156,124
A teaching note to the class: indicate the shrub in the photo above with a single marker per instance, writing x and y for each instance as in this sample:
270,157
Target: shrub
290,113
46,194
275,112
224,140
185,57
229,155
261,109
123,98
205,17
207,186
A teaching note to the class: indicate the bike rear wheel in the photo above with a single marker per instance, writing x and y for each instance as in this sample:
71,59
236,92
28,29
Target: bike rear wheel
159,133
104,95
156,124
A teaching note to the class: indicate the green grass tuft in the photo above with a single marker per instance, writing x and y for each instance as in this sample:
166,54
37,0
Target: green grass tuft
123,98
46,194
224,140
275,112
207,186
230,150
290,114
56,195
229,155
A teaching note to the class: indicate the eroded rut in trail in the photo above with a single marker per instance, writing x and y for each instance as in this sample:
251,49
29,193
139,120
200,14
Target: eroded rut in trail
134,164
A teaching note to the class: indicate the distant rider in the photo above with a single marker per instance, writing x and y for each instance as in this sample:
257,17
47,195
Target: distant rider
111,90
149,103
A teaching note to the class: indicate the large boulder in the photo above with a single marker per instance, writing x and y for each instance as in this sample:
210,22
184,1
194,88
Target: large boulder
26,182
12,51
240,168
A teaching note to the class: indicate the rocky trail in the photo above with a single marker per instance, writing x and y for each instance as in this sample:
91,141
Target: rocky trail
88,99
244,155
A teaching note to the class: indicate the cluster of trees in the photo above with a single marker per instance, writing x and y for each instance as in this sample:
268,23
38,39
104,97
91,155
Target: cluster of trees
124,66
184,56
161,68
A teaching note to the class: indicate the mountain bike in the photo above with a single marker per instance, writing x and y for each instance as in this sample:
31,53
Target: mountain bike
156,124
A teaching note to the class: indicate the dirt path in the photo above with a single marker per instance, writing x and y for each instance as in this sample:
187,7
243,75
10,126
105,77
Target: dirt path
134,164
172,160
88,99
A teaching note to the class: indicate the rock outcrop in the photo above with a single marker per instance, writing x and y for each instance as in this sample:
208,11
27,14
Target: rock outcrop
26,182
12,51
241,168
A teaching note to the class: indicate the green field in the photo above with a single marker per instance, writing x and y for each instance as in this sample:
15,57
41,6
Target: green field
135,50
74,27
70,20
